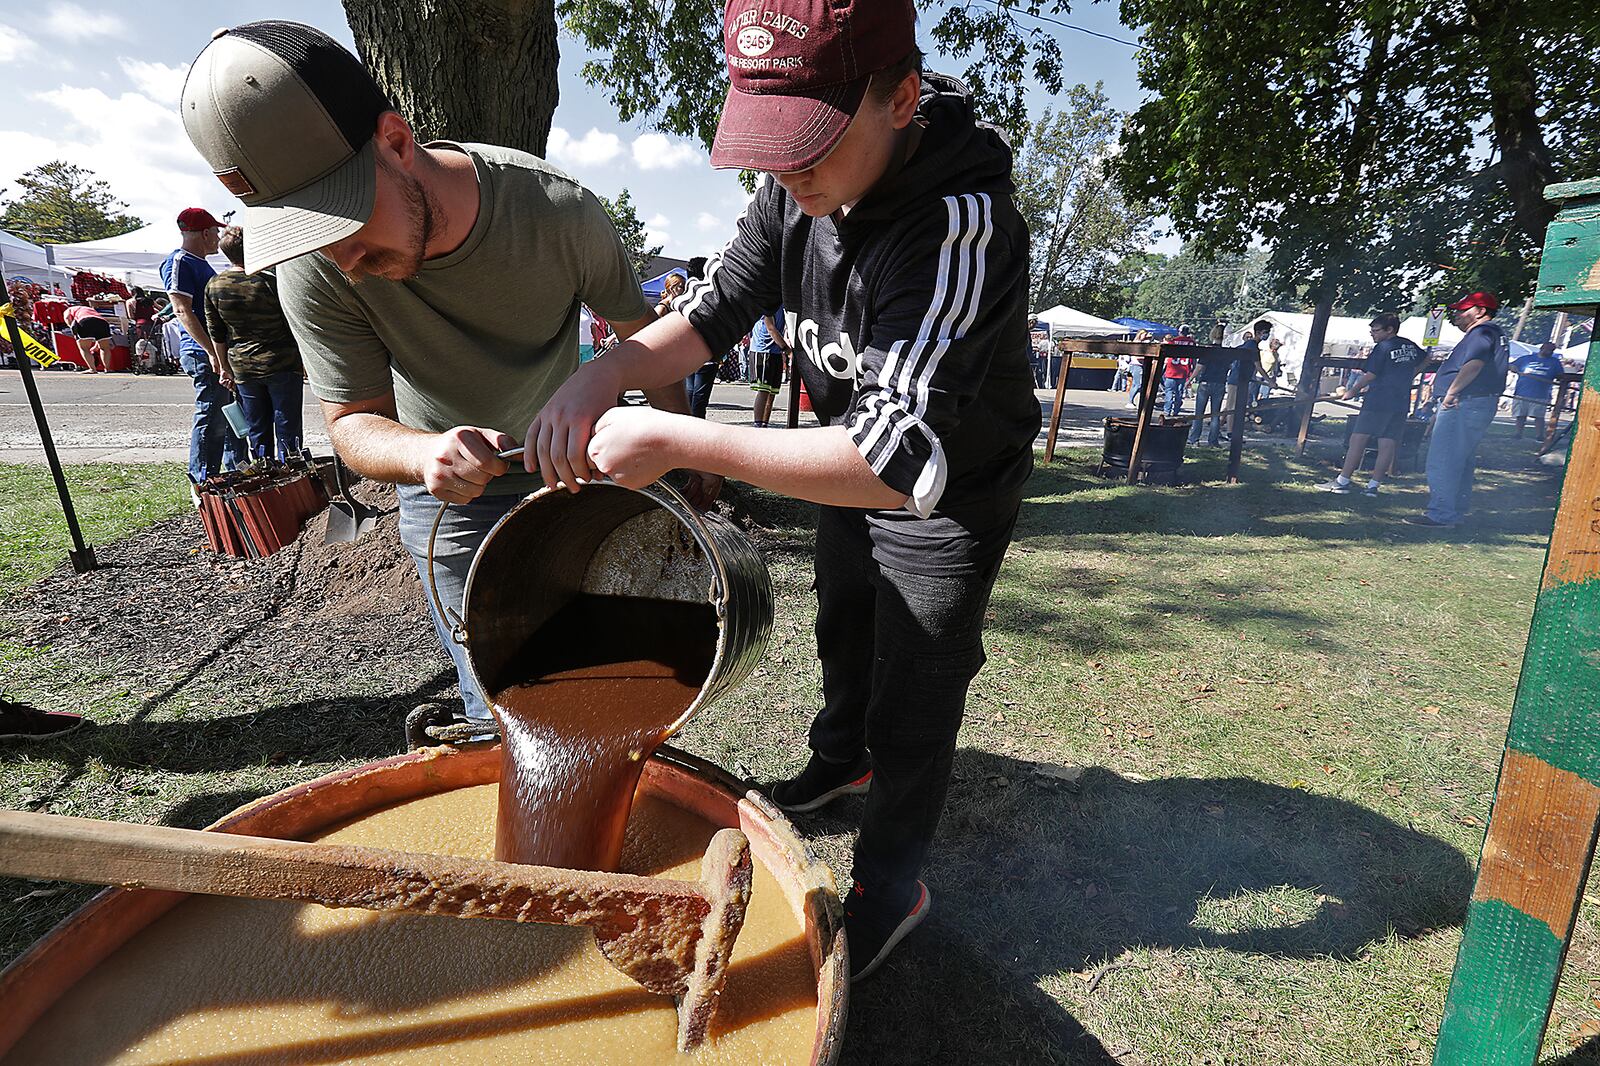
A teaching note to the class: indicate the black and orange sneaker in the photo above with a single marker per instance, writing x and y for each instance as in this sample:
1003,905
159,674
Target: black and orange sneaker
822,782
873,926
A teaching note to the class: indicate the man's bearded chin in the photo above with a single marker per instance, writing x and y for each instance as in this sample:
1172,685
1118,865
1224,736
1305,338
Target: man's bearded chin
394,264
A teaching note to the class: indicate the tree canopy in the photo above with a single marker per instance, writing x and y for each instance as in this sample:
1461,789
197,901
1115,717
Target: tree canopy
625,217
62,203
1080,222
1368,144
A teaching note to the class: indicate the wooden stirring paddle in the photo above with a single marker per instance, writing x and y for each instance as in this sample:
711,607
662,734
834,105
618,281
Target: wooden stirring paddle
673,937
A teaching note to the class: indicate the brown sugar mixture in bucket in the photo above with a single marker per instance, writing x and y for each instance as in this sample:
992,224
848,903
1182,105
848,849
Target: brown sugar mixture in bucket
589,698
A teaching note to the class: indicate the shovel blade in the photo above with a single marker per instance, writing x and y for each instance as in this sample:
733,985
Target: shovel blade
348,521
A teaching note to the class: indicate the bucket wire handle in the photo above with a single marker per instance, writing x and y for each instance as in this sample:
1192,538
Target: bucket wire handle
458,626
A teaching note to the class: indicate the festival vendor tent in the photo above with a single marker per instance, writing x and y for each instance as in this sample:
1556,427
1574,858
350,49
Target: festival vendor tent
1088,372
134,257
24,260
1063,321
1134,325
1345,338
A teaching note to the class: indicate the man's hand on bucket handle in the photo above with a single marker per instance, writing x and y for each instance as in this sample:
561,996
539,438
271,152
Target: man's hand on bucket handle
458,464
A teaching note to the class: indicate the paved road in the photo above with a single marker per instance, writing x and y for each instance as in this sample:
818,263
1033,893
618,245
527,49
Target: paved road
146,418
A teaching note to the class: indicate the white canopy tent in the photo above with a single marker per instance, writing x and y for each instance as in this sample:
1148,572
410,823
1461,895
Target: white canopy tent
134,257
23,259
1065,322
1345,337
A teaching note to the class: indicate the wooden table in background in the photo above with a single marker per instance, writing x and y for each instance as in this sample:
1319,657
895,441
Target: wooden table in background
1154,356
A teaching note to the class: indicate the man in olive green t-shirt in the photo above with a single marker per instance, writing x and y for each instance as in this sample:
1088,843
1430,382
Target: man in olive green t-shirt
433,288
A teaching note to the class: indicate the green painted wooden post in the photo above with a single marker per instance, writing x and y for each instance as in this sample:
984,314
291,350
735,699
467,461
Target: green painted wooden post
1542,827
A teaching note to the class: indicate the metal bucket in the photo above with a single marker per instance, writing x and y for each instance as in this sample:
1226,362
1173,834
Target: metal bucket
608,540
48,973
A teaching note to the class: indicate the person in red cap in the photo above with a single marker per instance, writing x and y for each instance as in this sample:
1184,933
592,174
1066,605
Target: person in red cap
212,446
1467,388
887,229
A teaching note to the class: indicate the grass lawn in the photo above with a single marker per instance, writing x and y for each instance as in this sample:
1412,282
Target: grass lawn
1218,799
111,501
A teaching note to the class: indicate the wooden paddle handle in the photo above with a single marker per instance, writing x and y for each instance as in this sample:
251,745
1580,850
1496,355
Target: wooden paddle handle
131,855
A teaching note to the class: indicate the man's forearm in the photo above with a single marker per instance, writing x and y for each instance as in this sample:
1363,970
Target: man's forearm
197,329
663,353
380,448
1465,377
1361,383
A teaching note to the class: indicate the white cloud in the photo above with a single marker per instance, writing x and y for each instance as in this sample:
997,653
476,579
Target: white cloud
657,151
13,45
143,154
73,22
657,230
158,81
707,222
592,149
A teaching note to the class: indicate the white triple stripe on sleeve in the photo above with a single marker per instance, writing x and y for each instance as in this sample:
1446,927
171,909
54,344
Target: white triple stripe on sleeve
957,295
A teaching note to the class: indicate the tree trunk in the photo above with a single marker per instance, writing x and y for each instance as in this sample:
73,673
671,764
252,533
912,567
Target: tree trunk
465,70
1525,163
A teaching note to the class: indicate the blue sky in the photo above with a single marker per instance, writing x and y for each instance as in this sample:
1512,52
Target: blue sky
97,84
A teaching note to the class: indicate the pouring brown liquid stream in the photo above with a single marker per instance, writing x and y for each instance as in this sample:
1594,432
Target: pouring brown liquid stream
581,707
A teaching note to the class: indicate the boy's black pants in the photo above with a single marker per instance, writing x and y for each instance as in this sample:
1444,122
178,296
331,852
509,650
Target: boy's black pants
898,651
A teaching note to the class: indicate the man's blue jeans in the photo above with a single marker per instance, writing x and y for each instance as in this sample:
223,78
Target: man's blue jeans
1206,393
460,533
272,406
1453,456
1171,395
212,446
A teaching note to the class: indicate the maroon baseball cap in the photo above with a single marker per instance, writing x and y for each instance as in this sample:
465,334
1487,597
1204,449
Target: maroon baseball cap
799,70
195,219
1486,300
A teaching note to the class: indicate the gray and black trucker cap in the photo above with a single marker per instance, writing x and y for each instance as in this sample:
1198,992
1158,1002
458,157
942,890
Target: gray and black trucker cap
285,116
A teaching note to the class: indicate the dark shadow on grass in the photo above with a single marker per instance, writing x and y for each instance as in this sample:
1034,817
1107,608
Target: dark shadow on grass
1058,611
1587,1054
1032,879
325,729
1514,500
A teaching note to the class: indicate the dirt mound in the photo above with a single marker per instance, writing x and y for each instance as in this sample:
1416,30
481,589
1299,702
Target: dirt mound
373,576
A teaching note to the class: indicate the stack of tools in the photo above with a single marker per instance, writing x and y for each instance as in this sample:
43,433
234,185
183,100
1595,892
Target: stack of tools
253,512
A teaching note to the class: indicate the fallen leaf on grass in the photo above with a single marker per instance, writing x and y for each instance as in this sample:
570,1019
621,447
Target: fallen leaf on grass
1068,774
1430,709
1467,819
1586,1032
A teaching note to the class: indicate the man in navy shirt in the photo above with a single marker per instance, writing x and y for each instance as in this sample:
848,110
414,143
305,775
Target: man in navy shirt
1386,379
1536,378
212,445
1468,388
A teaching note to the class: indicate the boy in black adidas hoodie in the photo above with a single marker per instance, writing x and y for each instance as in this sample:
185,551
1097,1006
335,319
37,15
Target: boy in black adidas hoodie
886,226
